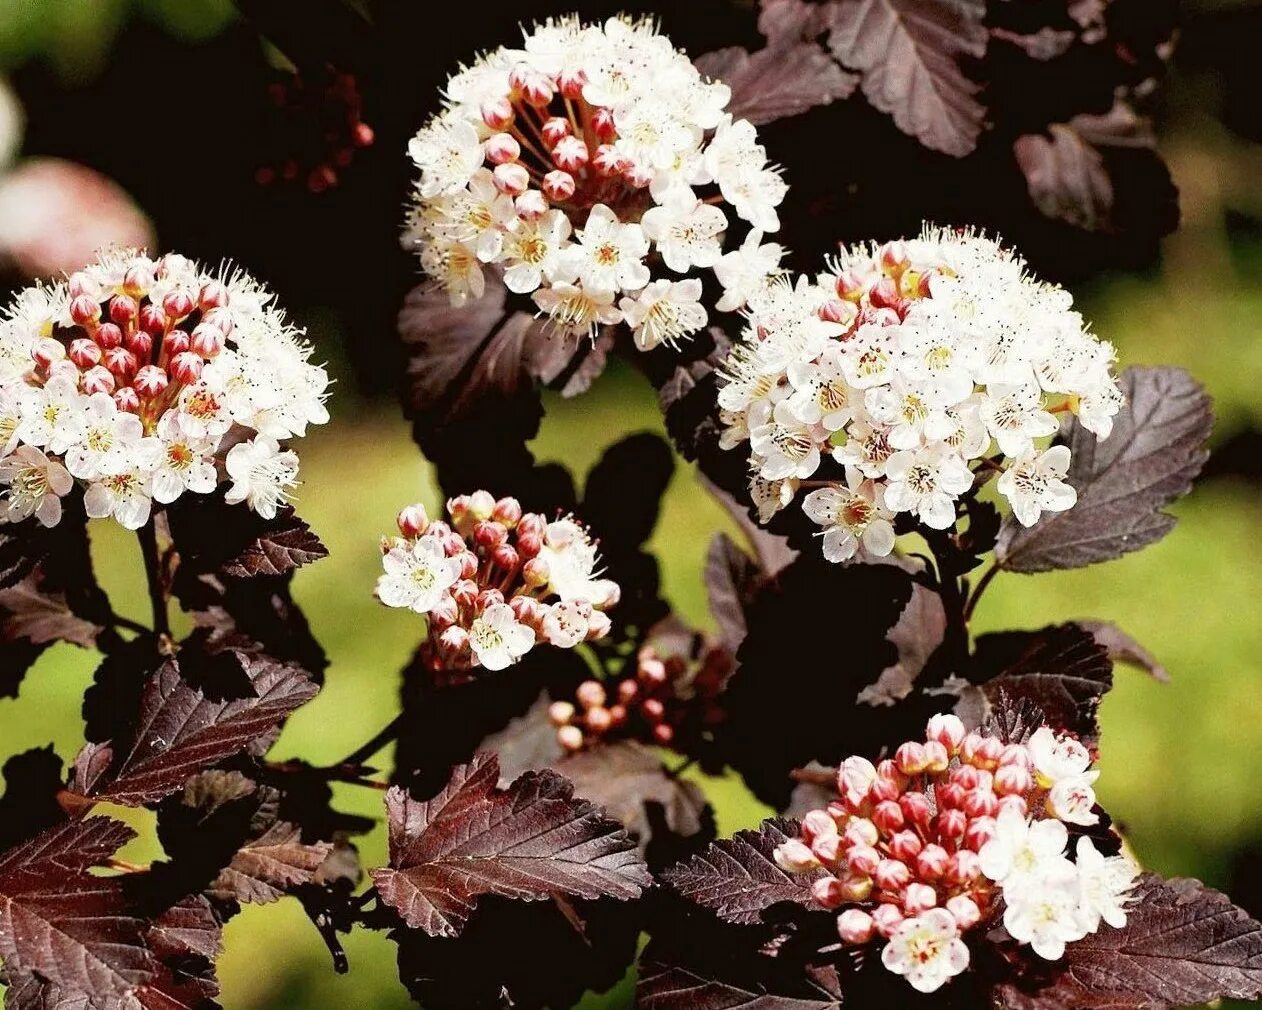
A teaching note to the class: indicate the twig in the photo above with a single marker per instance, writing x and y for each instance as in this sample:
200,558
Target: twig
362,753
982,583
153,576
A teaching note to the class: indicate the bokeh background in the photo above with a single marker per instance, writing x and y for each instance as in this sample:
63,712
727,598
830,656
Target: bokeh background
154,94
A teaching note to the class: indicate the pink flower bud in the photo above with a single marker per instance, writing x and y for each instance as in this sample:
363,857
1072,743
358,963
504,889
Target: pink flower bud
905,845
560,713
981,803
412,521
498,113
511,178
607,161
126,400
502,149
598,720
888,770
85,310
207,340
952,824
932,862
150,381
175,342
537,90
910,758
857,888
465,593
98,380
964,910
855,926
980,830
139,343
488,533
590,693
571,83
829,892
966,777
48,350
637,176
120,361
794,856
554,129
123,310
826,847
936,758
988,752
212,296
962,868
892,875
916,808
628,691
888,816
894,257
137,281
1016,803
663,734
505,558
1013,779
570,154
886,919
817,824
950,795
850,286
884,294
453,543
617,715
604,125
884,790
453,640
444,613
836,311
948,730
570,738
488,598
177,304
153,320
531,205
83,352
527,611
919,898
862,860
558,186
507,511
80,284
220,317
598,625
969,747
860,831
186,368
535,572
1016,754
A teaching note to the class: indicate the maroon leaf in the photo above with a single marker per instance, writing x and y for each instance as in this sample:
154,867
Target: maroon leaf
1124,483
921,628
1124,649
669,987
625,778
909,53
287,544
732,578
68,928
1045,44
183,731
778,81
528,842
38,616
266,867
738,878
1183,944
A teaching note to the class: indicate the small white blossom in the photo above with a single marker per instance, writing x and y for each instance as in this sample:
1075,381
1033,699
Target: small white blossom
261,474
498,639
744,272
609,255
1034,483
665,312
926,483
926,950
32,484
417,576
108,440
852,519
1071,800
1105,884
1057,757
1044,911
1022,850
124,496
687,233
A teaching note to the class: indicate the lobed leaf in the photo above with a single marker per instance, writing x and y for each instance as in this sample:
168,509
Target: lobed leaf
778,81
670,987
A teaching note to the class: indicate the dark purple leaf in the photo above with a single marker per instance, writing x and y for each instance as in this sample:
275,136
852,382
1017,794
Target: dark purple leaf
731,580
288,543
669,987
738,878
529,842
33,614
1125,482
265,868
773,552
921,628
1183,944
909,53
777,81
1124,649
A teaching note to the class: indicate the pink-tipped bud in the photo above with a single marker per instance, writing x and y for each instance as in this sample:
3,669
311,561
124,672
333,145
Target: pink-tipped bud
888,769
795,856
554,130
948,730
1015,803
127,400
981,803
537,90
637,176
827,848
453,543
590,693
628,691
570,154
124,309
980,831
120,361
207,340
487,533
85,310
932,862
988,753
855,927
1013,780
212,296
950,795
571,83
888,816
83,352
963,868
177,304
663,734
535,572
413,520
507,511
465,593
505,558
220,317
916,808
48,350
528,611
598,625
444,613
468,564
617,714
607,161
910,758
892,875
970,746
966,777
964,911
153,320
894,257
488,598
560,713
453,640
604,125
836,311
502,149
531,205
175,342
186,368
850,286
905,845
139,343
98,380
862,860
512,179
80,284
137,281
936,758
884,294
919,898
653,709
570,738
1016,754
829,892
558,186
885,790
860,831
857,888
498,113
952,823
150,381
817,824
887,918
598,720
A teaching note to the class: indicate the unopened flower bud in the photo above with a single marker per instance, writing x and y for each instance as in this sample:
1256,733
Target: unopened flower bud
570,154
83,352
139,343
535,572
186,367
175,342
663,733
488,533
607,161
570,737
512,178
207,340
948,730
1016,754
653,709
964,910
910,758
488,598
220,317
827,848
153,320
860,831
453,544
498,113
48,350
123,309
531,205
502,149
177,304
598,719
98,380
981,803
412,521
970,746
919,898
887,918
637,176
453,640
858,888
963,868
951,823
504,557
1012,780
795,856
590,693
905,845
862,860
554,129
527,610
627,691
126,400
950,795
932,862
120,361
980,830
916,808
571,82
829,892
884,790
1016,803
855,926
617,715
533,87
507,511
558,186
212,296
652,672
892,875
560,713
80,285
836,311
150,381
966,777
137,281
936,758
894,257
817,824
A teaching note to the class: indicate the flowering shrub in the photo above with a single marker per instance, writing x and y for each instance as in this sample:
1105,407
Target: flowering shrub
594,167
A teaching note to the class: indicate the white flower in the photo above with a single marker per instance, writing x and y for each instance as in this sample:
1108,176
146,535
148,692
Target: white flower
1044,911
456,267
744,272
261,474
497,638
770,496
571,558
852,518
926,483
1022,850
448,153
416,577
124,496
567,623
912,413
1105,884
10,418
755,193
477,216
821,394
1014,415
1034,484
33,484
687,232
576,311
609,254
665,312
927,950
187,462
1071,800
532,251
108,439
1057,757
52,417
788,447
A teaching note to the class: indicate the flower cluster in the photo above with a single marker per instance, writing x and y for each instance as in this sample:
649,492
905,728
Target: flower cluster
142,379
924,847
592,168
907,364
493,581
675,686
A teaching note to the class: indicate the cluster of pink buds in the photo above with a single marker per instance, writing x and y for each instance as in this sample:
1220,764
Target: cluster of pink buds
674,689
320,128
494,581
921,848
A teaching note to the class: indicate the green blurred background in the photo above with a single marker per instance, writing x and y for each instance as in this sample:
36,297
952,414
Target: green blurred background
1182,763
